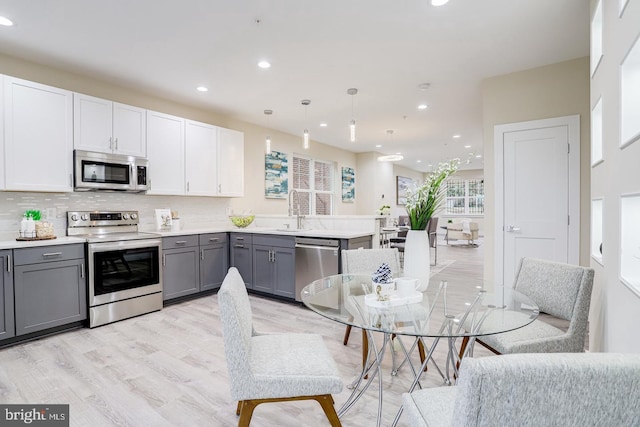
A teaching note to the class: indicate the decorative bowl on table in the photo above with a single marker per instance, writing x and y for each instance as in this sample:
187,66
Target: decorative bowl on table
242,221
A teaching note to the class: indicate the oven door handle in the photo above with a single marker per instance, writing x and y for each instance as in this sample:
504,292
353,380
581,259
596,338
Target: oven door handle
124,244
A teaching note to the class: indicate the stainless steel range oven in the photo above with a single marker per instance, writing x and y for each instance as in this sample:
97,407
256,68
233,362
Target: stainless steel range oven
124,274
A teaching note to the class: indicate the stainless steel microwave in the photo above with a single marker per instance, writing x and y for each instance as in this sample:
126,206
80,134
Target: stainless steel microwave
101,171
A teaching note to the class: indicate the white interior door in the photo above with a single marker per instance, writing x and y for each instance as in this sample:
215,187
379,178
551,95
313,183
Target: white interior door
538,190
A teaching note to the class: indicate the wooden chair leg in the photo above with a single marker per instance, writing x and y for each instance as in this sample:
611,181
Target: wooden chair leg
326,401
246,412
347,332
423,354
239,408
365,350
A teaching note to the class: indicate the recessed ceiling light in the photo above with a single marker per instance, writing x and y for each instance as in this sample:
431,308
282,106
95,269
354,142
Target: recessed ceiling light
264,64
5,21
478,156
424,86
467,146
456,136
471,154
418,161
422,107
439,2
323,125
202,89
379,146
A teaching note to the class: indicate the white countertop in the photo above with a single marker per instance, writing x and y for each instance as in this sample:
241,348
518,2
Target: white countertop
327,234
332,234
64,240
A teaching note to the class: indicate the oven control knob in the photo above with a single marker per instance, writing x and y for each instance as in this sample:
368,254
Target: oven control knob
125,216
74,217
134,216
84,217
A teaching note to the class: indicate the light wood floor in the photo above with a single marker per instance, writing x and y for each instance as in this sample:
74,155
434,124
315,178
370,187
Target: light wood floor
168,368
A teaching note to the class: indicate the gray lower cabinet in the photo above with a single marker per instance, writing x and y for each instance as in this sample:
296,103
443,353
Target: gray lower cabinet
49,287
241,256
193,264
180,266
7,326
274,265
214,260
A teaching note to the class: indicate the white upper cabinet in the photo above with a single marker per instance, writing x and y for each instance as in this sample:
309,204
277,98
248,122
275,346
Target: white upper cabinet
200,159
165,151
38,136
109,127
230,163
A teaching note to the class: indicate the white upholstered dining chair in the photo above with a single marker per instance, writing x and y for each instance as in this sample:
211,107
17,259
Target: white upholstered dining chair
561,389
272,367
366,261
560,290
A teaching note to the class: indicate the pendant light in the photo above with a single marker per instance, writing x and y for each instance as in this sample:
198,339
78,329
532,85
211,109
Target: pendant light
352,123
390,157
305,134
267,141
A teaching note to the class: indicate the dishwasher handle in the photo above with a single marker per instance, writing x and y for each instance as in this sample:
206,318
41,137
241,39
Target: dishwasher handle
323,248
315,242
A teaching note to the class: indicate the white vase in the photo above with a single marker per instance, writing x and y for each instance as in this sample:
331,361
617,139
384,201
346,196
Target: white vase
417,258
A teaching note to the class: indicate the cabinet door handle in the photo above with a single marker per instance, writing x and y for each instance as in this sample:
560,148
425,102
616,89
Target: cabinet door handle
82,270
110,143
164,260
214,239
238,246
181,242
50,254
202,254
187,186
239,238
8,263
219,188
116,144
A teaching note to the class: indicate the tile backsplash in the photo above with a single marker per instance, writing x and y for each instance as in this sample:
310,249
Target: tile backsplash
192,210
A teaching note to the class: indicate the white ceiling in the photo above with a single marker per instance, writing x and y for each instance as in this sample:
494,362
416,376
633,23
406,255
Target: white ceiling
318,49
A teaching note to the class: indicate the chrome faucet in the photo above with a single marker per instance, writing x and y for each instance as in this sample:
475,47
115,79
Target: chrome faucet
295,210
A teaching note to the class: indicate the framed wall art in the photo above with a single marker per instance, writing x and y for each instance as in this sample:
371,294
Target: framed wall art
276,175
402,185
348,185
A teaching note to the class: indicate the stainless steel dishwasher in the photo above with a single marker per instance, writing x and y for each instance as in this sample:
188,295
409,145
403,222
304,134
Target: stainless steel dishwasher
315,258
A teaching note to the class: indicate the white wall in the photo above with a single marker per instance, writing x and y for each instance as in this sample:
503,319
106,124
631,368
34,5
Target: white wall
555,90
615,310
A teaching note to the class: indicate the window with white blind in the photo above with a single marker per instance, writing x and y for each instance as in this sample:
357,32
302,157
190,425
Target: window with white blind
465,197
313,180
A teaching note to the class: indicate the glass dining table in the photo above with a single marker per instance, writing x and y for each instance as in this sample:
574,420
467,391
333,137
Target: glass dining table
452,308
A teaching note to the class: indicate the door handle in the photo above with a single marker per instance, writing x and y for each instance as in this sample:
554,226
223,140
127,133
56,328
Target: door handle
82,270
202,254
512,229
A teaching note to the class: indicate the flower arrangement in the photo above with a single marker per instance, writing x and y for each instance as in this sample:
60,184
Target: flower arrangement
424,200
384,210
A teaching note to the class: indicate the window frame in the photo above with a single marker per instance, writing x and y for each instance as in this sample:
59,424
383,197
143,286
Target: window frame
312,191
477,198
